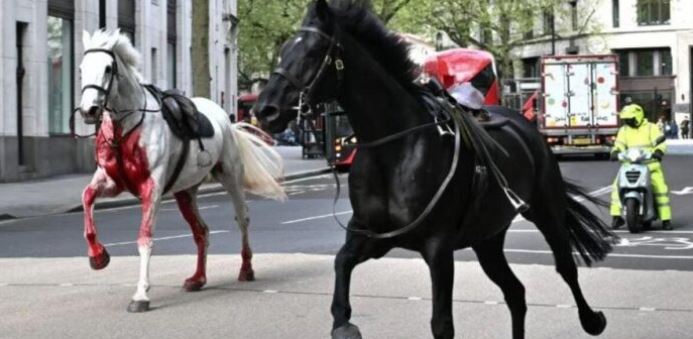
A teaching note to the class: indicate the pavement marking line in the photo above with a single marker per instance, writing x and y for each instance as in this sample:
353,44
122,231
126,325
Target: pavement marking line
364,296
618,255
315,217
414,298
199,208
162,238
647,309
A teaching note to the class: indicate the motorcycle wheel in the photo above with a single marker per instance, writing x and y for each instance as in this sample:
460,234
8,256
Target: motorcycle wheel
633,216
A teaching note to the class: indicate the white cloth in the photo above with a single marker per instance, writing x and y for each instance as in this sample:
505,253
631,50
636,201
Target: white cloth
468,96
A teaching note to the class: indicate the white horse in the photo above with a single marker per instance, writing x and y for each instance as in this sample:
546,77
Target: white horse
136,151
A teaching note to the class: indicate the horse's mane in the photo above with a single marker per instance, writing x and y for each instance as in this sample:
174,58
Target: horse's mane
387,48
120,45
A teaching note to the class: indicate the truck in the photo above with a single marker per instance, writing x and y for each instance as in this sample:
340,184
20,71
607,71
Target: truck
579,103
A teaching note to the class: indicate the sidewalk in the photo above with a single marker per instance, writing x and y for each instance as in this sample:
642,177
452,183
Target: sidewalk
680,146
64,193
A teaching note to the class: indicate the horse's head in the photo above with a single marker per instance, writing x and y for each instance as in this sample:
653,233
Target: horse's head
308,70
102,71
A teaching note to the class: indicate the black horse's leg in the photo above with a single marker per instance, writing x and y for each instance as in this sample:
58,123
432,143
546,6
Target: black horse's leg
495,265
592,322
439,257
348,257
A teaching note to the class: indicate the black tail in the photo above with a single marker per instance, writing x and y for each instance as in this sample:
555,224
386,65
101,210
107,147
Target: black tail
589,235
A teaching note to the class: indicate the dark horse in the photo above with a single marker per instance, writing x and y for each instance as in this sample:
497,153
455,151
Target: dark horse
344,52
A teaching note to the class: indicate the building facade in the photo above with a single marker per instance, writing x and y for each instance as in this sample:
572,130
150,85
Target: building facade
40,53
653,39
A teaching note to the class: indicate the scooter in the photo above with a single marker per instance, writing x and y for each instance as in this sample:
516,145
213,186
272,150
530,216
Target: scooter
635,190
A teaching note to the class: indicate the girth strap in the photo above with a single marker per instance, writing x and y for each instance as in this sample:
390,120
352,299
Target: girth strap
179,165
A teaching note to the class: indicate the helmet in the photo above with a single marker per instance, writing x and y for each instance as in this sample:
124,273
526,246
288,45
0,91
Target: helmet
633,113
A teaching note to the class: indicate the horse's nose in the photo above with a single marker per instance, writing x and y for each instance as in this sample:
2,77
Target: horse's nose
268,113
91,112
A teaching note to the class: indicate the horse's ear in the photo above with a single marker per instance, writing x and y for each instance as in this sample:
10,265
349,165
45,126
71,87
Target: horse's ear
85,38
323,10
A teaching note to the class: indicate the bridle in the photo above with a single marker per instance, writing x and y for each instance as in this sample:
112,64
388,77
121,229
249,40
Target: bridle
107,93
114,73
333,55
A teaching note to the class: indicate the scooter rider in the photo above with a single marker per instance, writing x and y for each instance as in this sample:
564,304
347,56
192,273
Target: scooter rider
638,132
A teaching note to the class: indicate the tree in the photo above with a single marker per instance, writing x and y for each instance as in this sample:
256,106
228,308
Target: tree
200,48
263,28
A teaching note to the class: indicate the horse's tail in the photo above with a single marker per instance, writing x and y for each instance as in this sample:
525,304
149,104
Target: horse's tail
263,166
588,234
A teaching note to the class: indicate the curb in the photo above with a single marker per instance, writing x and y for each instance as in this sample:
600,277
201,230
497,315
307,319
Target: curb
205,189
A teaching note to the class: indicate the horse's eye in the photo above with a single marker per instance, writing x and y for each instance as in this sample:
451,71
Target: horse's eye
108,69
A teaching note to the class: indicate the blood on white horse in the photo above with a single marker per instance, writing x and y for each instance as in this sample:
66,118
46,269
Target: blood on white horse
136,152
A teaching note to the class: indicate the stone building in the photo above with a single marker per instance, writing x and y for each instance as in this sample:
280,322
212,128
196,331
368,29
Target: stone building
653,39
41,50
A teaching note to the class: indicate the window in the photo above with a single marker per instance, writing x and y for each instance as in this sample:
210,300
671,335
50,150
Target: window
615,13
653,12
126,18
530,68
171,43
645,62
548,22
623,63
665,62
60,91
155,69
102,14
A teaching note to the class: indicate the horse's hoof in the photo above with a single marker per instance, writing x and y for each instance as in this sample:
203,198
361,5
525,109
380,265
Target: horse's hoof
246,275
347,331
594,324
100,261
193,284
138,306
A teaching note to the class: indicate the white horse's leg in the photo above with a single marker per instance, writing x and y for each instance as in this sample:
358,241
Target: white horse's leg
100,186
231,177
150,195
187,203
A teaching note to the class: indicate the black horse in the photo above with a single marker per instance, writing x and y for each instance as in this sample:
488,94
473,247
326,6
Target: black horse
344,52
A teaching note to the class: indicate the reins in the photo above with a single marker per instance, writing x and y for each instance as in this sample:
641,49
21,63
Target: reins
431,204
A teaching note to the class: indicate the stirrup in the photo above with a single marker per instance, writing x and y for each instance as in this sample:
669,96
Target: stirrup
443,130
518,204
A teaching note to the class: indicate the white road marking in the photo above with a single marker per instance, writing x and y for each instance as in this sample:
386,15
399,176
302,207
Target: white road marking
414,298
199,208
563,306
270,291
66,285
685,191
647,309
618,255
315,217
491,302
161,239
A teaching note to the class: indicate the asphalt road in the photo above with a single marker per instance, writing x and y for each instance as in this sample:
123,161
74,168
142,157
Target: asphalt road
47,289
304,224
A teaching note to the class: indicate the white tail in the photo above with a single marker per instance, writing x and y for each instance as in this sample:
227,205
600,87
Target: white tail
264,167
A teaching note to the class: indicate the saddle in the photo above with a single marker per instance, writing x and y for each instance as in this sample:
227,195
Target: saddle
186,123
181,115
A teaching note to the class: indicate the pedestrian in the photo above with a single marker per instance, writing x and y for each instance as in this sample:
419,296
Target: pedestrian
685,124
661,123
